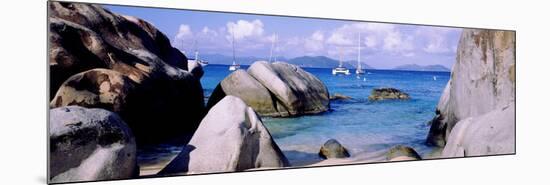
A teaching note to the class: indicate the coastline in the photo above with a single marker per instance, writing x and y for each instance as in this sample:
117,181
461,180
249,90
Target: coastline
151,168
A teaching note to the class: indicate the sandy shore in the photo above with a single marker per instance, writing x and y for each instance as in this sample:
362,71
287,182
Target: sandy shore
150,168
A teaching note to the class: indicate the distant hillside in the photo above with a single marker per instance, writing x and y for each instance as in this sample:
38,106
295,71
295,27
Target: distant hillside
323,62
227,60
304,61
415,67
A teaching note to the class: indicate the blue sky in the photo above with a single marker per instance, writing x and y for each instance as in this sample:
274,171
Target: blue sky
383,45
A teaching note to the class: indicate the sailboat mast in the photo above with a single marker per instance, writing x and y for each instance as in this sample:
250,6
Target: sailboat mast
359,52
233,46
196,51
275,48
340,64
271,51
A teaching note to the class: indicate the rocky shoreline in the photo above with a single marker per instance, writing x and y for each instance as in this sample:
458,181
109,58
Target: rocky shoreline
118,85
102,63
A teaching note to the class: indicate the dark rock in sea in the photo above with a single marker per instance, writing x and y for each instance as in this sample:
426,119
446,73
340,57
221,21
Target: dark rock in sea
195,68
475,114
123,64
89,145
438,125
388,93
338,96
402,153
231,137
333,149
275,89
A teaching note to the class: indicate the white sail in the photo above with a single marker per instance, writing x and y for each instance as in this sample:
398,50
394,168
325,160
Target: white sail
359,69
234,66
340,69
359,53
275,37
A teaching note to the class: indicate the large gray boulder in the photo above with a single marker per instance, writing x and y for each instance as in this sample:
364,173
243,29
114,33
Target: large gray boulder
291,90
89,145
158,98
253,93
488,134
230,138
104,87
482,80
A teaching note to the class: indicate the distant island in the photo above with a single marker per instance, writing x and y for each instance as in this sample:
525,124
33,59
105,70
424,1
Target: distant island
416,67
323,62
303,61
315,62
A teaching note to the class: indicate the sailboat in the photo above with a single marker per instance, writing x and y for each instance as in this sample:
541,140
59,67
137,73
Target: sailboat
271,51
340,69
359,70
234,66
201,62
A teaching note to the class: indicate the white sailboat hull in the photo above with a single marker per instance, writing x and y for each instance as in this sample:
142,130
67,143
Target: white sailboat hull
234,67
343,72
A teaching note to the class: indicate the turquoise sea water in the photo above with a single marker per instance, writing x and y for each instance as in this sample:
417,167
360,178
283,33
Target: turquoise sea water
360,125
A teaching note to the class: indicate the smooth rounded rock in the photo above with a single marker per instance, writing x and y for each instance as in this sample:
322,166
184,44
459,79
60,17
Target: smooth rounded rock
333,149
89,145
401,152
230,138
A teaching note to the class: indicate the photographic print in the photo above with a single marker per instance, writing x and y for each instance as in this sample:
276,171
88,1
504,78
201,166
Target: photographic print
141,92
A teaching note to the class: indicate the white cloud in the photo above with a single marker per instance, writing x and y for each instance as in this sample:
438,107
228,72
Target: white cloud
410,54
315,42
318,36
370,41
376,36
208,32
378,39
436,39
245,29
184,32
436,45
339,38
395,42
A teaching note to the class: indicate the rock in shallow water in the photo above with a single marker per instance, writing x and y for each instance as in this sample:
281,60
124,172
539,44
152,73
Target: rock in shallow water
230,138
338,96
333,149
291,90
402,153
89,145
388,93
195,68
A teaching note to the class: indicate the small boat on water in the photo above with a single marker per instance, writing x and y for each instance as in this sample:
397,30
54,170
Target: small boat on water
435,78
203,63
359,70
234,66
340,70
